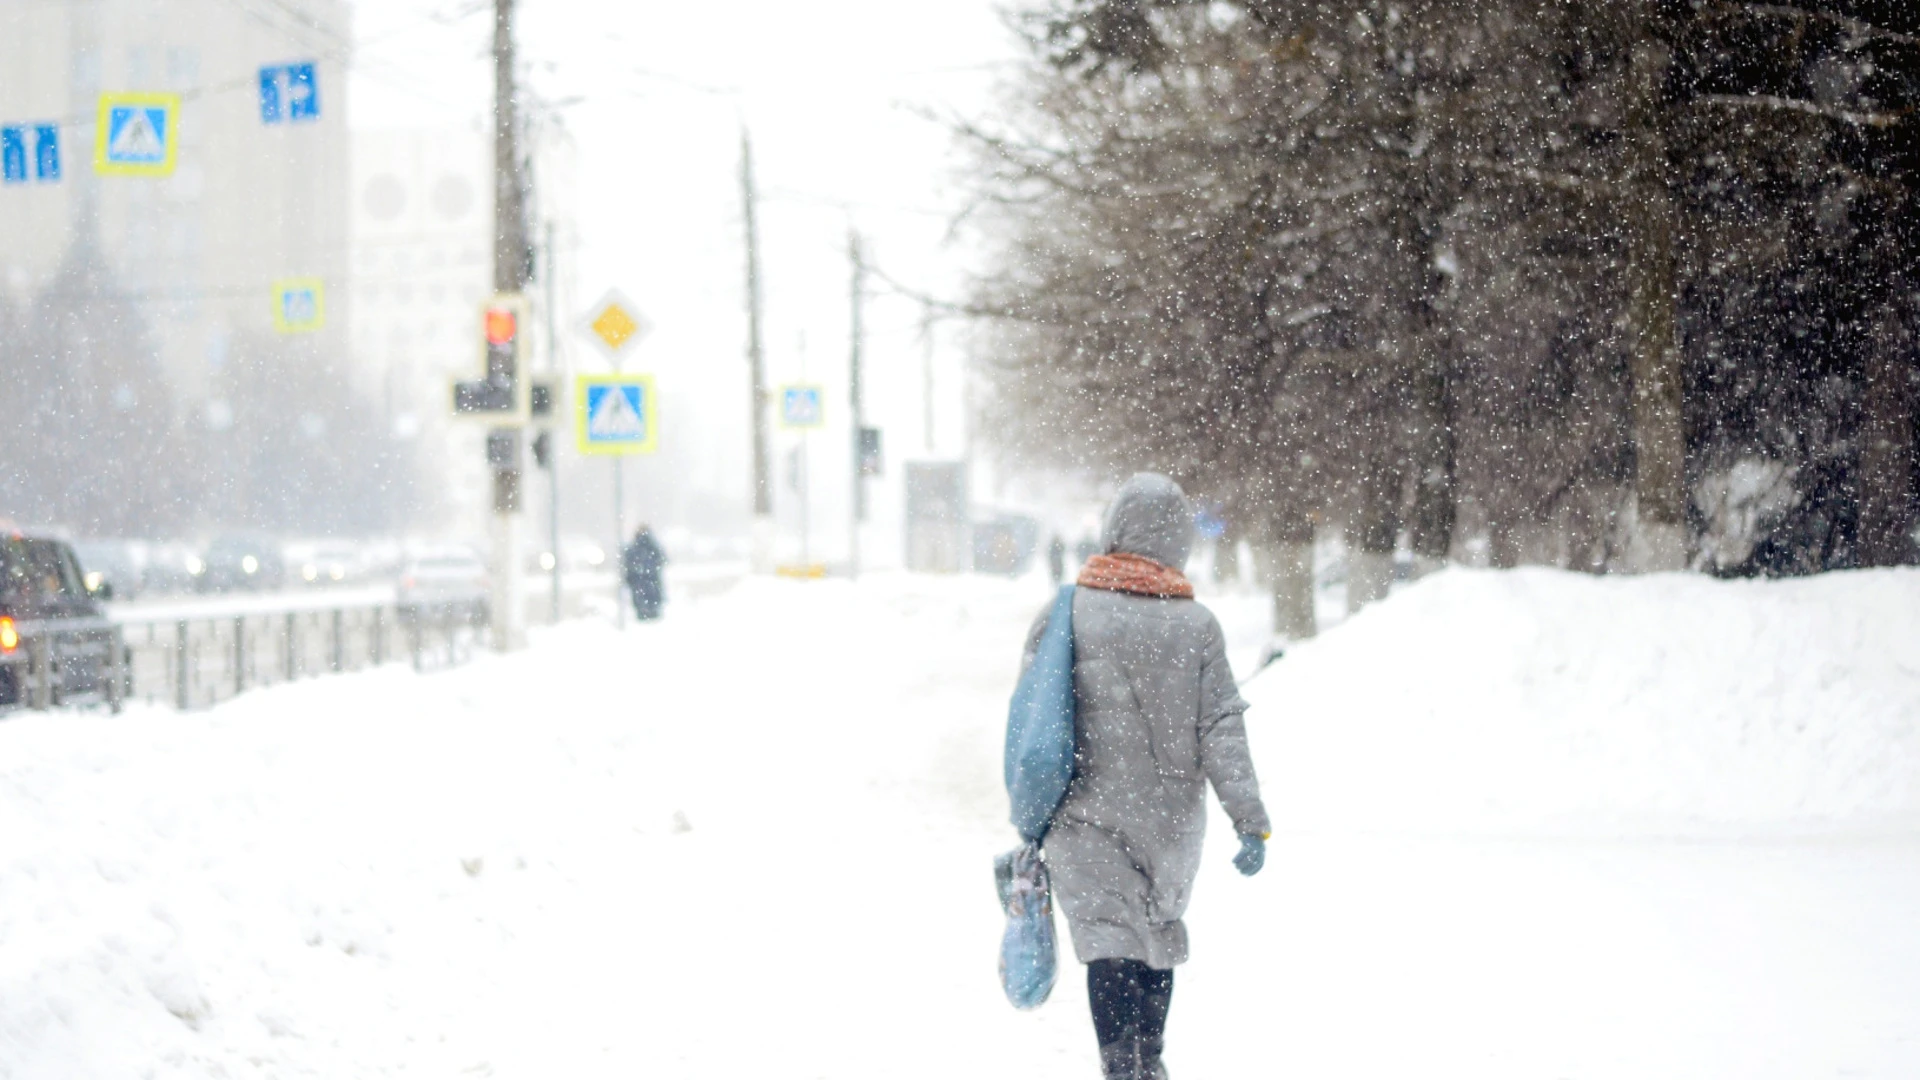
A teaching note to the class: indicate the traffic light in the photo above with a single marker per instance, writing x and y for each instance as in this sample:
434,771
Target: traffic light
542,401
501,393
503,455
501,325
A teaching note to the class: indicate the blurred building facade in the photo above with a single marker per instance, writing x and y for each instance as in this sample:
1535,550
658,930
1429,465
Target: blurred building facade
248,203
421,223
422,227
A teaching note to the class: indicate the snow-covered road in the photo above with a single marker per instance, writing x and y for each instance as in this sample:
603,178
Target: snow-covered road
754,840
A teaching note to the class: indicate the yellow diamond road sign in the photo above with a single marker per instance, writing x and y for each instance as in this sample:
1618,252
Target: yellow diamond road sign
615,325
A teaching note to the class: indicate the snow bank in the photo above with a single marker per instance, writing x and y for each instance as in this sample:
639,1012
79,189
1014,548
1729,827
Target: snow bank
587,859
1534,699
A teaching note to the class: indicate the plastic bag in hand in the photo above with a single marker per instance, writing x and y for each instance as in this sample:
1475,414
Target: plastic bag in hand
1028,961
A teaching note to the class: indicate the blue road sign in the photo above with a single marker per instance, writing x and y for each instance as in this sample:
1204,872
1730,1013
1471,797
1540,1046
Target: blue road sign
618,414
46,151
17,165
289,93
800,407
13,155
138,134
299,305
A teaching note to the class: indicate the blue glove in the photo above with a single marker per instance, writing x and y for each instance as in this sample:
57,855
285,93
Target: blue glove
1253,854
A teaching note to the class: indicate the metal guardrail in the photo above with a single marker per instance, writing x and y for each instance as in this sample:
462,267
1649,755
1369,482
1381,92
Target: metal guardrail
195,652
192,661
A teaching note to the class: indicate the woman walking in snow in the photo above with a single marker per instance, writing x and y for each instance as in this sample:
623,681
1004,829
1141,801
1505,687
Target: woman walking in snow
1157,717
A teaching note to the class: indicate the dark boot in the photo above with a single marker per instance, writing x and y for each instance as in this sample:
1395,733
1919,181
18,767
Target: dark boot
1121,1060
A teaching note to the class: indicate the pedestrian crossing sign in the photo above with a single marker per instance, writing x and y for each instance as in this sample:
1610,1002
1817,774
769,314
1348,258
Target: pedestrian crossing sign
299,305
138,134
616,414
801,407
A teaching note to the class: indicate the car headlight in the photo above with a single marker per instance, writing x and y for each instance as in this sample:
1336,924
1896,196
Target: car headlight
309,572
196,566
249,565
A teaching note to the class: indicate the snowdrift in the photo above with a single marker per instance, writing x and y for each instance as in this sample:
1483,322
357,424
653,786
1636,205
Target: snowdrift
1518,701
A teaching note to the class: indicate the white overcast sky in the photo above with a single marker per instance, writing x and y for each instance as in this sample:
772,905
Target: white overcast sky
829,90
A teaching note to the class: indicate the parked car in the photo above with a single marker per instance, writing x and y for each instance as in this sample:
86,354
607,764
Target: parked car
56,644
241,562
443,582
119,565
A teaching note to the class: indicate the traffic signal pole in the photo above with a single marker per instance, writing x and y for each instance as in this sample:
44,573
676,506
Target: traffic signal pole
511,271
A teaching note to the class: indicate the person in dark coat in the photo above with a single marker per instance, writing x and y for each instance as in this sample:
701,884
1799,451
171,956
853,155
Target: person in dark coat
1158,719
1057,559
642,563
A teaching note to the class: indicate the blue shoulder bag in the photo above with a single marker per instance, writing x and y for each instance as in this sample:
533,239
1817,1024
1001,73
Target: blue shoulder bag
1039,767
1039,756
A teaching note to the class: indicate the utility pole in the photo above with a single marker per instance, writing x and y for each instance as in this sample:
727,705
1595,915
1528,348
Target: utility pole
756,368
511,255
856,392
511,272
553,450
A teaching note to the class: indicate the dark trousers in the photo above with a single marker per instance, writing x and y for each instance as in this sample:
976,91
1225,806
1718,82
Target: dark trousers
1130,1002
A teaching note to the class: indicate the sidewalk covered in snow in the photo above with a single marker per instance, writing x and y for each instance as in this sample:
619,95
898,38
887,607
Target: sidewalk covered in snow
1529,825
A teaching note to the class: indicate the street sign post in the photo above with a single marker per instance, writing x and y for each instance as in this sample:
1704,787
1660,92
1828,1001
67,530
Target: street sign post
606,424
30,151
614,325
801,407
616,414
299,305
289,93
137,134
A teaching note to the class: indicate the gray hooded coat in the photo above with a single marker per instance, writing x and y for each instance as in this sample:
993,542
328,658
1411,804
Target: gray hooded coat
1158,716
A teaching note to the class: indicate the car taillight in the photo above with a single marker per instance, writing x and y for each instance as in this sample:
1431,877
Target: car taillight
9,635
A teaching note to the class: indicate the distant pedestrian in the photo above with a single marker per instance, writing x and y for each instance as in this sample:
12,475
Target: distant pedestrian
1158,718
1057,559
643,563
